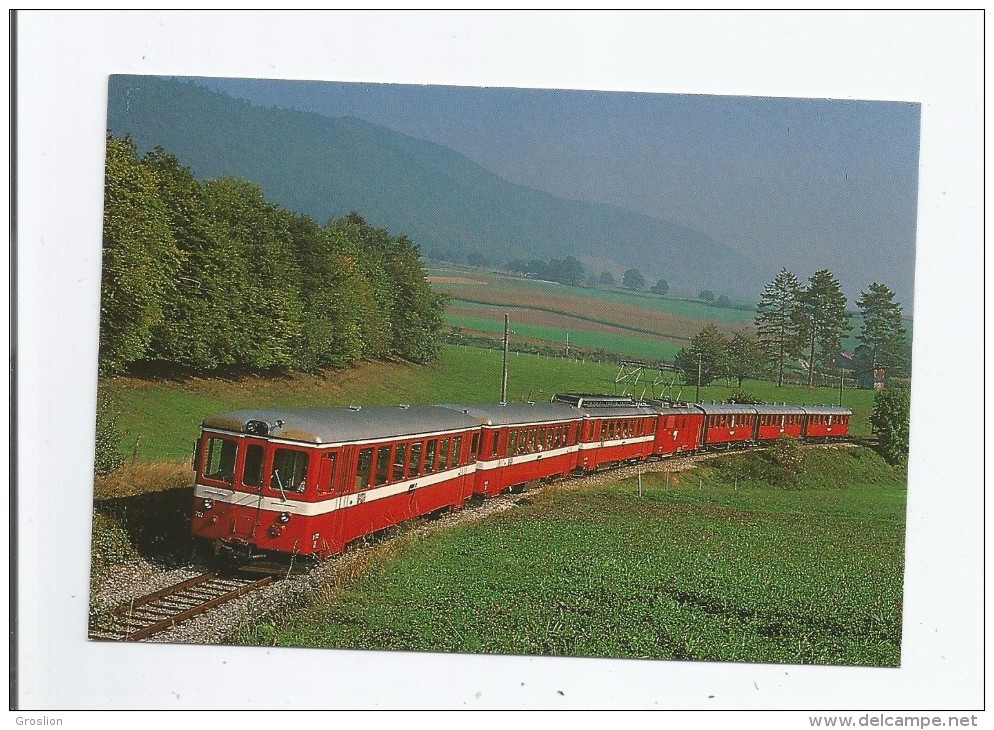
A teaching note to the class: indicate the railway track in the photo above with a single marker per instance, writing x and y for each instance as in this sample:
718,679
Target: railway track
151,614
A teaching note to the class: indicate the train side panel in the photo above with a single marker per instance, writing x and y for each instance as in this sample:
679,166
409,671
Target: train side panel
678,432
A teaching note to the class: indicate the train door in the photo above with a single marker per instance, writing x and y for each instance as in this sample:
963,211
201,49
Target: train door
249,488
325,536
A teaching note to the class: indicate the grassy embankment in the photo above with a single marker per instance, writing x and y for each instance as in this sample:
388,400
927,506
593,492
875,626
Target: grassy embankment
163,416
710,564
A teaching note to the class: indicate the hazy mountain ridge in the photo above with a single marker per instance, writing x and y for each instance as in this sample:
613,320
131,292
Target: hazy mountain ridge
326,167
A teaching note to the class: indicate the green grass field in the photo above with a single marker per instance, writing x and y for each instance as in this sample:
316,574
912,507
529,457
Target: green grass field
164,416
703,566
653,349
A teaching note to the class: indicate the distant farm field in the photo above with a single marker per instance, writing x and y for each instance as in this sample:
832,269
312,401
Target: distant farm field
161,417
703,565
613,319
585,335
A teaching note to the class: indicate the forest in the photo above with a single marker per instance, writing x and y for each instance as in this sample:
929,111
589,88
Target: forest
210,276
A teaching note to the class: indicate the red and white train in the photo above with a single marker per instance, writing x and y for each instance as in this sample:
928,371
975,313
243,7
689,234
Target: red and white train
308,481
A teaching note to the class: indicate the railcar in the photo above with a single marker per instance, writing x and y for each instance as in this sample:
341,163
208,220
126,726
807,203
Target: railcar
727,424
309,481
678,427
616,429
825,422
779,420
523,442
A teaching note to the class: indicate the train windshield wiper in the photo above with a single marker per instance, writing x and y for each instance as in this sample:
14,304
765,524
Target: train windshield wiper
279,483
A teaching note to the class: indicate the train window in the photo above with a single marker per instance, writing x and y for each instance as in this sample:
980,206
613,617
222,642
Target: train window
512,443
382,465
603,430
443,453
220,459
541,438
289,470
399,462
252,472
494,442
531,440
430,450
326,480
364,469
550,437
415,466
474,446
457,451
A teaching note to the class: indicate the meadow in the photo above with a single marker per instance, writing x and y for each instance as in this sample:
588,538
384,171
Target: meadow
705,565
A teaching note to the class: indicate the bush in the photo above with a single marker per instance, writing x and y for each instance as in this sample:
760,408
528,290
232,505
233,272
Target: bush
787,460
107,458
741,396
891,420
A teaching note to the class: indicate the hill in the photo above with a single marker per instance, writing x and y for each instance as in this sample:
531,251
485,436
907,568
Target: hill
327,167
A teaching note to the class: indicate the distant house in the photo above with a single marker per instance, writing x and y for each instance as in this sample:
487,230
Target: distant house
869,379
844,360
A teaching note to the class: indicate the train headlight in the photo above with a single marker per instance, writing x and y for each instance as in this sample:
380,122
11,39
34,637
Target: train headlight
284,517
208,503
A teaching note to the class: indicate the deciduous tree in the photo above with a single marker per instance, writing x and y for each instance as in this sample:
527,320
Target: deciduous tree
709,350
633,279
140,259
745,359
891,420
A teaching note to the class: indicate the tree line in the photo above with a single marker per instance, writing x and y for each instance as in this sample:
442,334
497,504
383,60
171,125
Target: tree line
795,321
210,275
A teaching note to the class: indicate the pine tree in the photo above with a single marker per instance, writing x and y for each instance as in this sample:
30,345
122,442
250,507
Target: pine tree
826,321
883,339
778,320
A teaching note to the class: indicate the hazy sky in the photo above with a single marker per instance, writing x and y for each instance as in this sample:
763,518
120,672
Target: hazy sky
802,183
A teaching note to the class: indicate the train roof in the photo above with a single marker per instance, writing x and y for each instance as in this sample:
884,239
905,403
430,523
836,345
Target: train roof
341,425
826,410
666,406
495,414
594,400
721,408
778,408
